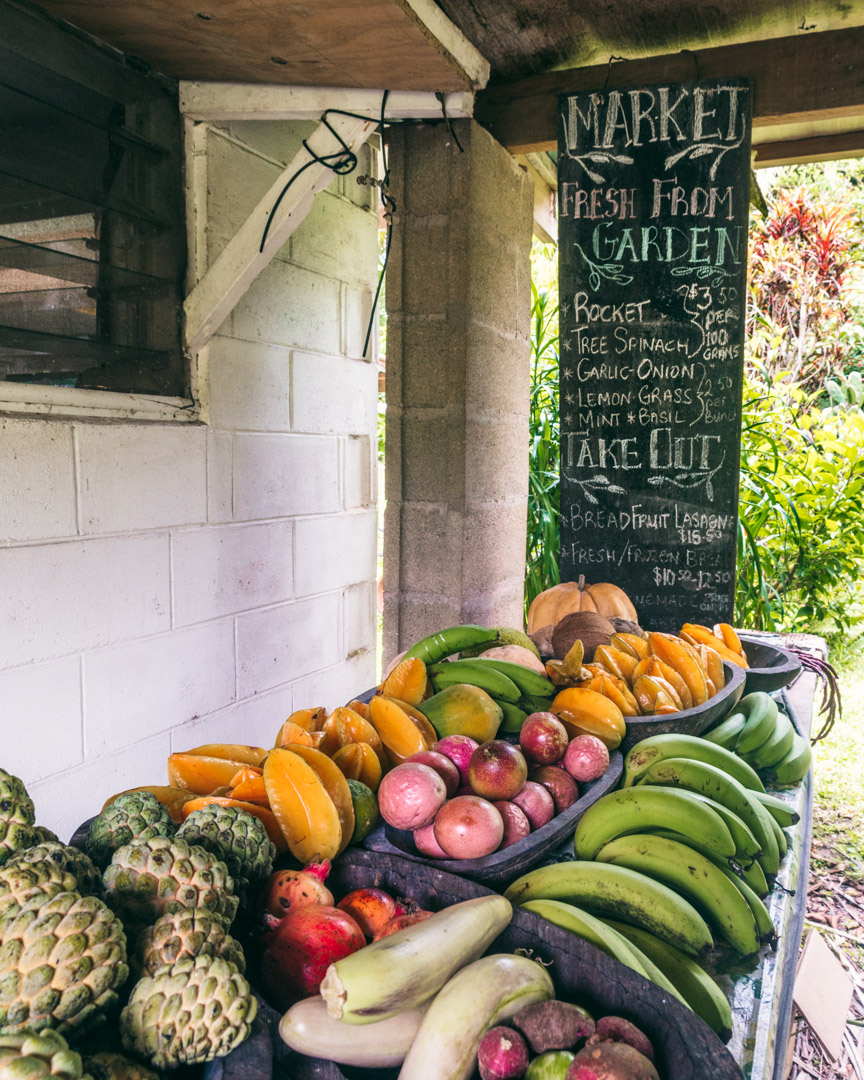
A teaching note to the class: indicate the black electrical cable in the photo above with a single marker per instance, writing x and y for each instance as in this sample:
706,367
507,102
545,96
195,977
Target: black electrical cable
344,161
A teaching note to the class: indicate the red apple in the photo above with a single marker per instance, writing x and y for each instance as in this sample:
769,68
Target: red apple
443,765
497,770
543,738
560,785
516,823
536,803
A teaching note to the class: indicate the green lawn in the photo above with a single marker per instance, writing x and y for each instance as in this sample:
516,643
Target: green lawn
839,793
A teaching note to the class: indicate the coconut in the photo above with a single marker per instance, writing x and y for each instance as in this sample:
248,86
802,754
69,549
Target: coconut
585,626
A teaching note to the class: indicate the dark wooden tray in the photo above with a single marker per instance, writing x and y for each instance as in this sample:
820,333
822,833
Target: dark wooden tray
508,864
771,667
690,721
686,1047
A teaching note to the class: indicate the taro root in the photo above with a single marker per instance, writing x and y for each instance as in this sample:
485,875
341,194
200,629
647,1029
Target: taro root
553,1025
542,638
617,1030
611,1061
585,626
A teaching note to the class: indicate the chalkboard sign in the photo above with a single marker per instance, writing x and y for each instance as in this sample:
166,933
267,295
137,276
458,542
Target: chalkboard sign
653,186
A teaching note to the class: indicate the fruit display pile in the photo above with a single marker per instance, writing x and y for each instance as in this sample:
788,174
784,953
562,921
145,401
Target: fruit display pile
144,946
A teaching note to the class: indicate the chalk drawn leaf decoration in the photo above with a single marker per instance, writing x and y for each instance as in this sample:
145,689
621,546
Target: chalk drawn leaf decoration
598,481
609,271
599,157
695,150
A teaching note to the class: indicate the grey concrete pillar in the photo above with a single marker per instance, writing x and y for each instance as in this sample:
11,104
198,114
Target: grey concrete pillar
458,378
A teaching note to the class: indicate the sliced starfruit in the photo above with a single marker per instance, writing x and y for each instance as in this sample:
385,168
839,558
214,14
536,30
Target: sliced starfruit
584,711
401,732
731,640
358,761
304,811
701,635
616,690
308,719
631,643
265,816
713,663
407,682
248,755
656,668
201,775
252,790
336,786
351,727
674,654
291,734
360,707
618,663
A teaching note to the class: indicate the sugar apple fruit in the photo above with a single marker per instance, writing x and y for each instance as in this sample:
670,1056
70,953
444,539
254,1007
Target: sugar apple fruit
32,1055
109,1066
62,961
88,880
234,836
184,934
20,881
188,1013
136,816
43,835
16,817
149,878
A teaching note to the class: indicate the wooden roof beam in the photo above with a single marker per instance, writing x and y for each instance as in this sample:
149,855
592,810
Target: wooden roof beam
797,79
844,144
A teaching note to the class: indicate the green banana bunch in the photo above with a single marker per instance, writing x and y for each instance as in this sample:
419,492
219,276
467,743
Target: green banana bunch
602,937
644,808
443,643
760,715
659,747
726,734
619,892
782,813
476,673
752,874
776,746
761,915
532,704
795,766
702,994
717,785
531,683
513,716
692,875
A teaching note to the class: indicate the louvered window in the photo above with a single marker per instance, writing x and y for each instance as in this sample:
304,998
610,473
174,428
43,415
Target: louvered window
92,237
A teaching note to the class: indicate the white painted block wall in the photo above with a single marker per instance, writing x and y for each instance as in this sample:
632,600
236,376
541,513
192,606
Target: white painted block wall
166,585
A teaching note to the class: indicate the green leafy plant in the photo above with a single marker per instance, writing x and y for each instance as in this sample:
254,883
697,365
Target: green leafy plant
543,534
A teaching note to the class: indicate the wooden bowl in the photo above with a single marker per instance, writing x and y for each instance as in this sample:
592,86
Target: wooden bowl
690,721
771,667
516,859
686,1047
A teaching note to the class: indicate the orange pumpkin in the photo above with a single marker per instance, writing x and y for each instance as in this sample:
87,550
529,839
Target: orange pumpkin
551,605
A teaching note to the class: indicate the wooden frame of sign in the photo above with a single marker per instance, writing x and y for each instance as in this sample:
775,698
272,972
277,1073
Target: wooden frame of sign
653,210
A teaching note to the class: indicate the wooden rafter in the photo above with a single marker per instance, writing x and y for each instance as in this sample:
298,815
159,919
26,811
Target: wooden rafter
844,144
806,78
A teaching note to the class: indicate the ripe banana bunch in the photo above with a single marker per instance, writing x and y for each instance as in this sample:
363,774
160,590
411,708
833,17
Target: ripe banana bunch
765,739
654,675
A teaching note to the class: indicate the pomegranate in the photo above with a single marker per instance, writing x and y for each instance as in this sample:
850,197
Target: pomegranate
300,948
287,890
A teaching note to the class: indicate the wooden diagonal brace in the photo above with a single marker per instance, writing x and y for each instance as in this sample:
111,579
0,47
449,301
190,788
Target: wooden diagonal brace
241,261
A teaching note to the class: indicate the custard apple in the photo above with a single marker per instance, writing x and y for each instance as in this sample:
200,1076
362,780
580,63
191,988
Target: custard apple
186,934
62,961
149,878
88,880
16,817
109,1066
234,836
20,881
43,835
136,816
188,1013
32,1055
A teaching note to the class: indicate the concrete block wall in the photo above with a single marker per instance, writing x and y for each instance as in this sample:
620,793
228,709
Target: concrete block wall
458,383
166,585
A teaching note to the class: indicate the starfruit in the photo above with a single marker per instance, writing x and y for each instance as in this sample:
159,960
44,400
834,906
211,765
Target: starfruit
631,643
674,654
407,682
585,712
620,664
399,731
701,635
358,761
302,806
617,691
